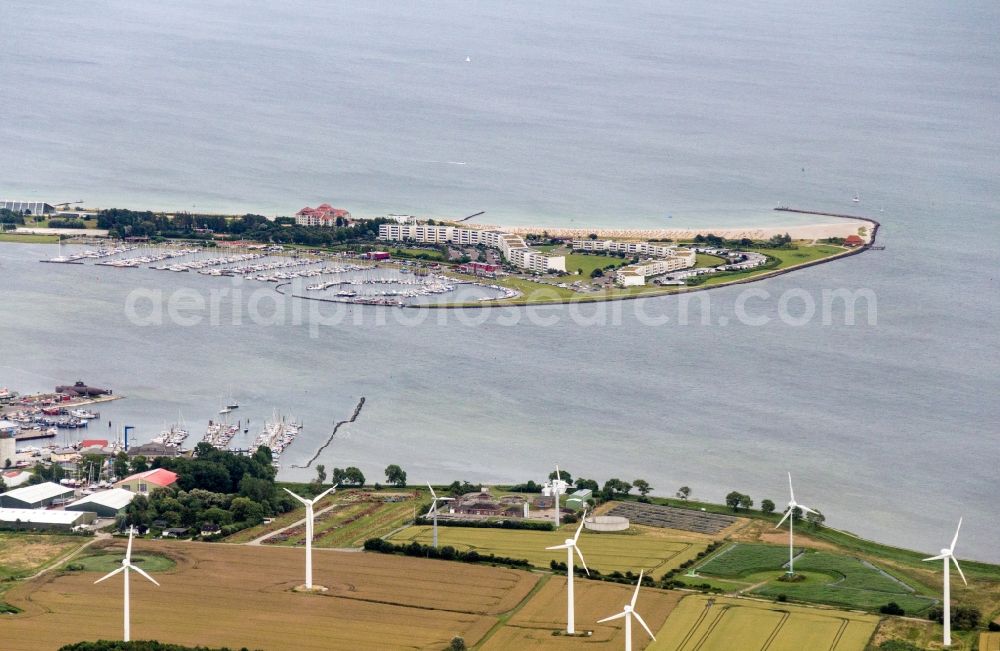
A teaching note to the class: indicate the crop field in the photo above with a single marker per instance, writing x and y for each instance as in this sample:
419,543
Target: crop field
234,595
989,642
532,625
606,552
352,524
741,560
708,624
22,554
829,578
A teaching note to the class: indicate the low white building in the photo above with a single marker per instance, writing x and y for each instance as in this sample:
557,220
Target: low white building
106,504
635,275
43,519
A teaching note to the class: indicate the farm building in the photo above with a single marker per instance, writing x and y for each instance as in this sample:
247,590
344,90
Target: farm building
106,504
482,503
148,481
38,496
578,499
43,519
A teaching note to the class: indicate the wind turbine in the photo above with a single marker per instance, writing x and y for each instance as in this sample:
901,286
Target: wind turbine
570,545
790,516
434,511
309,529
628,612
126,566
945,555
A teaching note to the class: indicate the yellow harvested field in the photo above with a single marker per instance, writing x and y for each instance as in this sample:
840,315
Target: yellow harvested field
606,552
724,624
989,642
532,625
229,595
21,554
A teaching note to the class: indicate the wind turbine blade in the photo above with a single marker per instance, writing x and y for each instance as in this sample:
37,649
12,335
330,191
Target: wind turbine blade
806,509
783,518
142,572
128,550
635,595
558,476
608,619
955,539
582,562
323,494
936,558
959,568
433,494
559,547
643,622
110,574
791,491
433,509
576,536
301,499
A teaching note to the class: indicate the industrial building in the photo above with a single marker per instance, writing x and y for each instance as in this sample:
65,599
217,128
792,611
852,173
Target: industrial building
148,481
511,246
38,496
27,207
106,504
22,519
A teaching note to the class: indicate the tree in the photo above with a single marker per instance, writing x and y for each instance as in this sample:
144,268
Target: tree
355,477
614,487
140,464
892,608
815,519
683,492
120,465
588,484
395,475
320,473
642,486
457,644
596,273
565,476
766,507
246,510
733,500
745,502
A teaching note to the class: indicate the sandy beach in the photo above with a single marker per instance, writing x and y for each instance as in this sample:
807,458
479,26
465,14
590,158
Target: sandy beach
799,232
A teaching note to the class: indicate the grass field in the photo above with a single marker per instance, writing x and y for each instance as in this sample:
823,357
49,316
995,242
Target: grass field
431,254
28,238
588,263
833,579
24,554
724,624
606,552
703,260
105,562
739,560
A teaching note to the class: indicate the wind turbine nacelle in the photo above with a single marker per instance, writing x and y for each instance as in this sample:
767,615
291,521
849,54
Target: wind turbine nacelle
946,552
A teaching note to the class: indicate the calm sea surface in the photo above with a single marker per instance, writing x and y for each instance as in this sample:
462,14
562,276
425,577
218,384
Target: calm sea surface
583,113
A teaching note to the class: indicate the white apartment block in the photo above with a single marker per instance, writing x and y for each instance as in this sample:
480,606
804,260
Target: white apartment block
654,249
511,246
636,274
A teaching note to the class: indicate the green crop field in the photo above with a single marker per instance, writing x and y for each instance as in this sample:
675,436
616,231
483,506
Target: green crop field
723,624
828,578
741,559
606,552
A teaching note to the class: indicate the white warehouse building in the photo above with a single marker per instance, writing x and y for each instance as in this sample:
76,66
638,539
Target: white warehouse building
511,246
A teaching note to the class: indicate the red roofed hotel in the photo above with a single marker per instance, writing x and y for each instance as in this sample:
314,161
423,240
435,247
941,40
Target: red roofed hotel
148,481
322,215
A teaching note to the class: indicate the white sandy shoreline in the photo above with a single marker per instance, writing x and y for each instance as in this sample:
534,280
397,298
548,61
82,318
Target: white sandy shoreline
841,228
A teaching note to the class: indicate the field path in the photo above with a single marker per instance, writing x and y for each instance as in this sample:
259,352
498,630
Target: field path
56,562
258,541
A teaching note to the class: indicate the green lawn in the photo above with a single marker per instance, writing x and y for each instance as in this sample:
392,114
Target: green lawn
431,254
108,562
588,263
28,238
703,260
834,579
